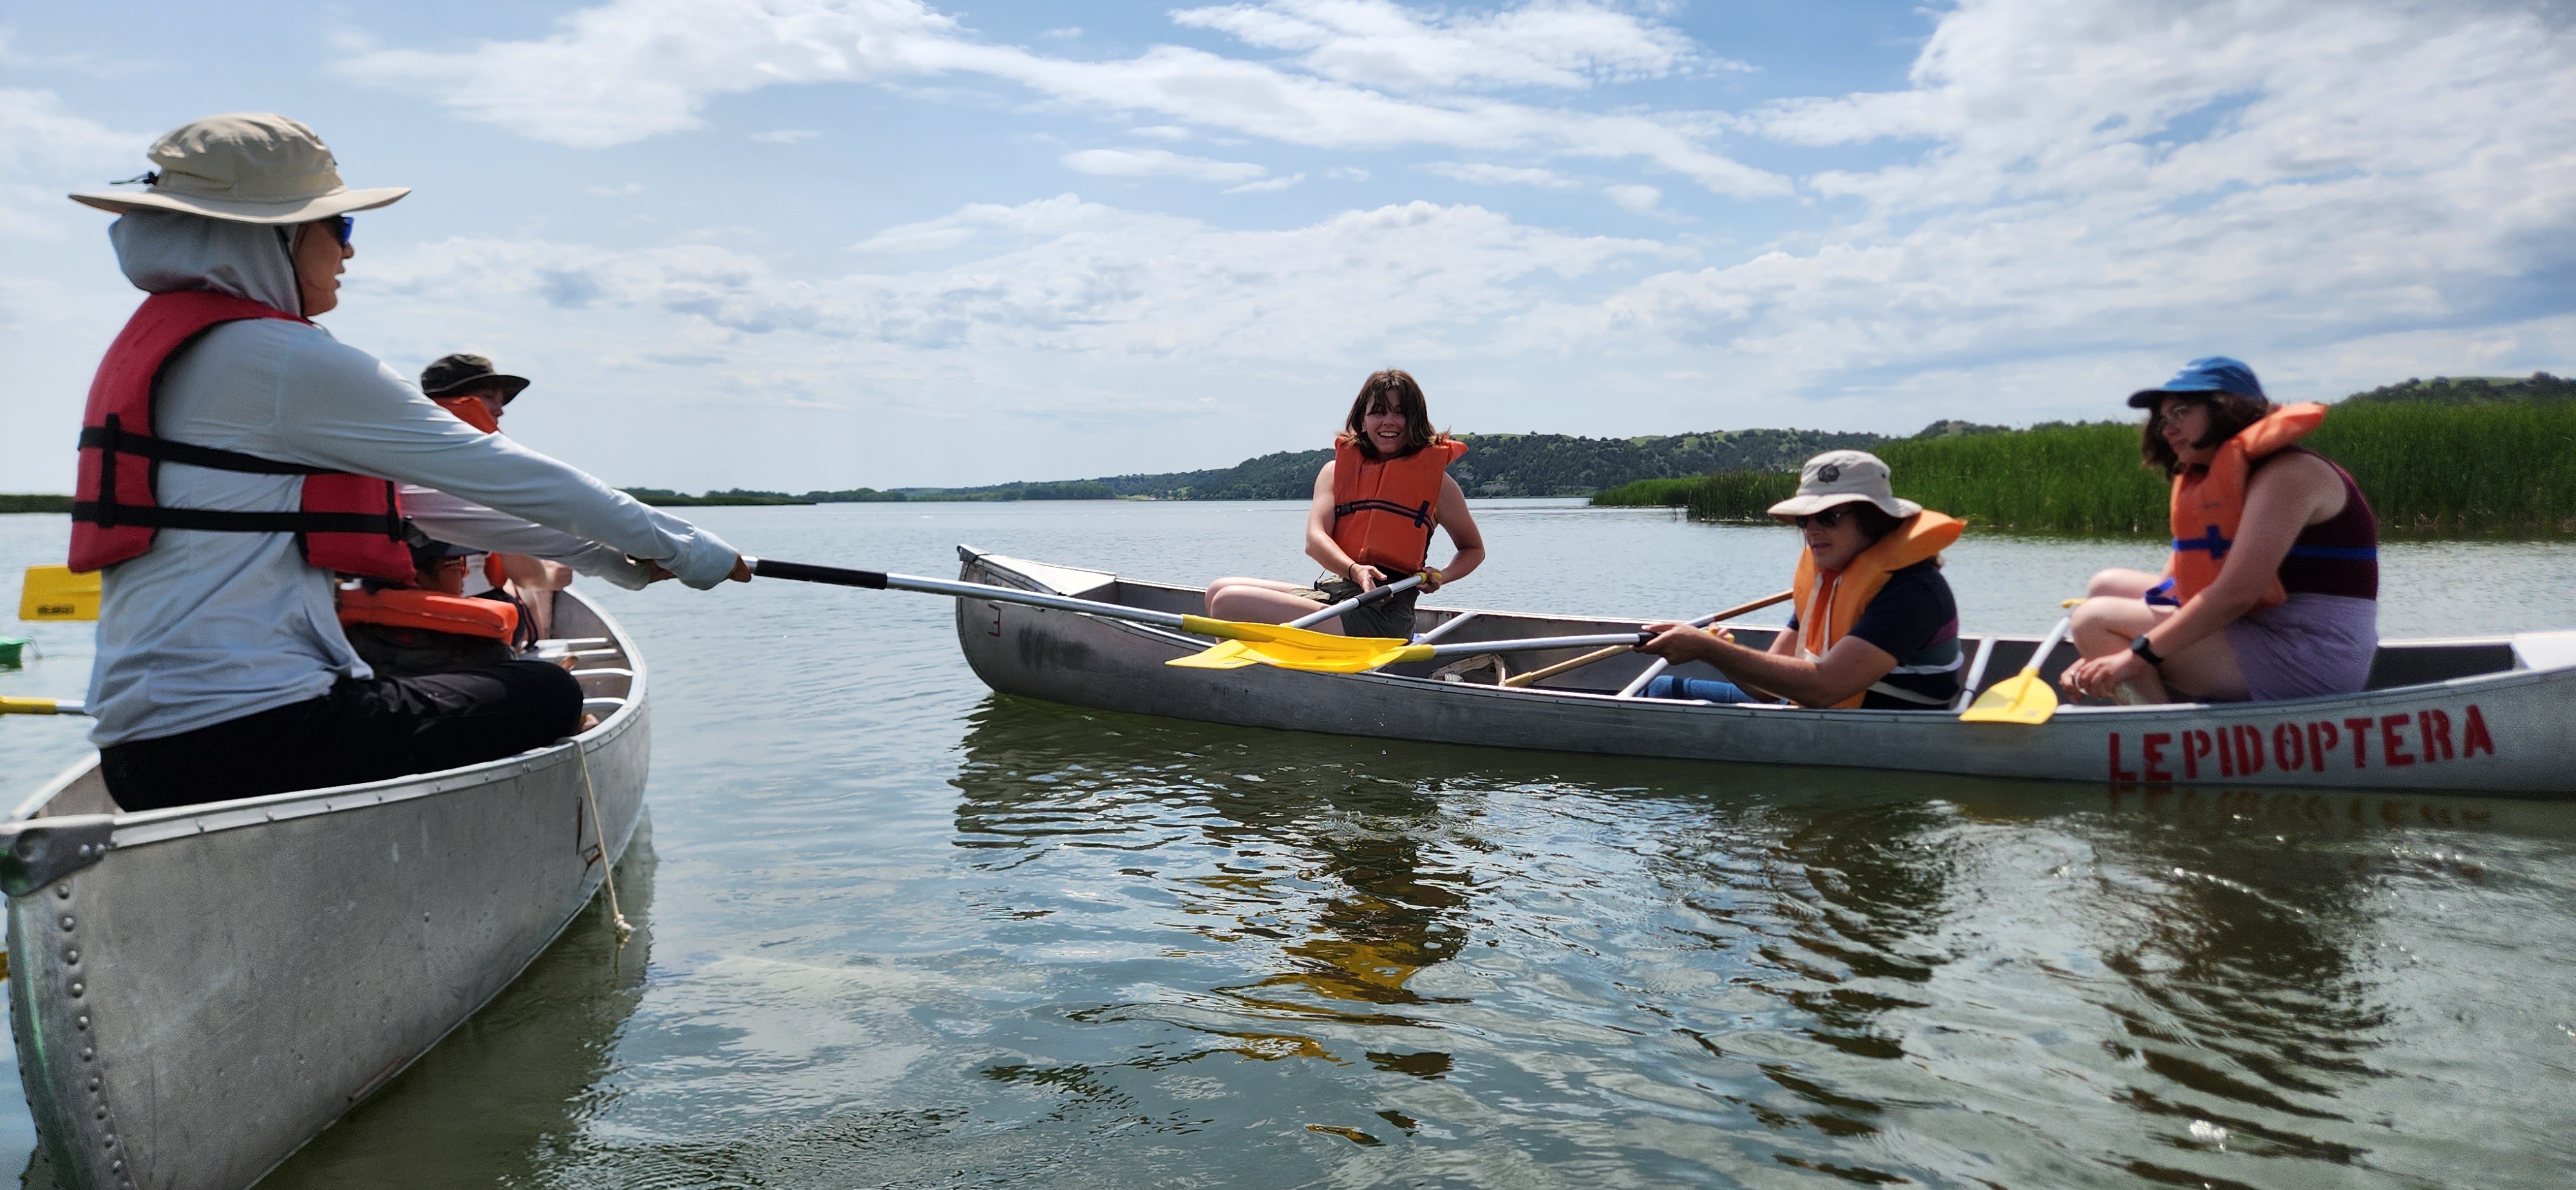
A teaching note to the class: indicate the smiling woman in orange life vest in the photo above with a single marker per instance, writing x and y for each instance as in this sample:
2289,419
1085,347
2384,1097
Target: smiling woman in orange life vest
1376,502
1875,627
2272,588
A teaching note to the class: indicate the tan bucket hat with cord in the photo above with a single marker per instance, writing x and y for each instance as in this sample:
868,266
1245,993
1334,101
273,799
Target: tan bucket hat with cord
247,167
1844,477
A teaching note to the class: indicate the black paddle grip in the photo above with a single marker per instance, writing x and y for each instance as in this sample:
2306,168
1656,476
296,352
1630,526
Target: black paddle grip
874,580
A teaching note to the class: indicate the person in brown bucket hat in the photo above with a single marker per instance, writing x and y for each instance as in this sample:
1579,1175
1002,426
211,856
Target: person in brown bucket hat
234,454
527,562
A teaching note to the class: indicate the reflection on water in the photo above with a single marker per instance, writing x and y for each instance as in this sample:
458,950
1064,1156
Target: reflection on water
508,1091
906,933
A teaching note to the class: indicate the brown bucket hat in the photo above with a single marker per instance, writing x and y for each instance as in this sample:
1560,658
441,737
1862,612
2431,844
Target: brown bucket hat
247,167
463,372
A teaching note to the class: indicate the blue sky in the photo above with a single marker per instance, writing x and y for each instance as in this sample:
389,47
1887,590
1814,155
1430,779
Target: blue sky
831,243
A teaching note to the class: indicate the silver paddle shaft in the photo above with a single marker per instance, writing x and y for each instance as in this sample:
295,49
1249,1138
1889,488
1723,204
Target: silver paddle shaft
1371,595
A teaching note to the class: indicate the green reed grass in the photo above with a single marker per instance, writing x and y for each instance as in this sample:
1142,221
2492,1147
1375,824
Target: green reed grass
2436,470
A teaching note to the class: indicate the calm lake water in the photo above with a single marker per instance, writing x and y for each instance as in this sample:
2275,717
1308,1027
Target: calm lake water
900,931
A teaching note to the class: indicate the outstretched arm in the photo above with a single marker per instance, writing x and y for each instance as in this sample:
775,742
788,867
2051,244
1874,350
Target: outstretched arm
1845,670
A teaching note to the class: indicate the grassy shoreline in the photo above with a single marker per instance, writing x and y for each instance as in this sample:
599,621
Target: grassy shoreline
2429,470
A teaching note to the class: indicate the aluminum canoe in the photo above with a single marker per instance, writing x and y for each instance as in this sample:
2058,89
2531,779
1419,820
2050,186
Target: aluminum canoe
2486,715
198,991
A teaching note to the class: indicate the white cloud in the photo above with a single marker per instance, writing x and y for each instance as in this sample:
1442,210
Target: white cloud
1267,185
80,62
1064,276
42,145
1487,174
785,136
631,69
2108,189
1067,33
1347,173
615,191
1641,199
1170,132
1158,163
1382,45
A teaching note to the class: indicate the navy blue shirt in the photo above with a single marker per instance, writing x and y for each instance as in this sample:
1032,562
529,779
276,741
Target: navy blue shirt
1915,620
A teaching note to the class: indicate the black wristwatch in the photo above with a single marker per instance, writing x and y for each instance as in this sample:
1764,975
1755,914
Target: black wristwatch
2146,652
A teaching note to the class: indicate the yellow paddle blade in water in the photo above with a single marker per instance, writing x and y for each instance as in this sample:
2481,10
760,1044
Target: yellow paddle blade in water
1293,648
2022,698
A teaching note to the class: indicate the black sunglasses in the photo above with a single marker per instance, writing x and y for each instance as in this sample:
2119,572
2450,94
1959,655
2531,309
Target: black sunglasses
1828,518
342,226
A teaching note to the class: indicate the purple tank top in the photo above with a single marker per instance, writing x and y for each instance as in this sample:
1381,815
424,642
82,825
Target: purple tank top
2337,556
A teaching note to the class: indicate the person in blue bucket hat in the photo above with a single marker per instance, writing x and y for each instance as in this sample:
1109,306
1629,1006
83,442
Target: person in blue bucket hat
2272,587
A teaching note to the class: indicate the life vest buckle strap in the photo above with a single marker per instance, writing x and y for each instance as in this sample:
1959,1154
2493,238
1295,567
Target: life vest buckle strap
217,520
112,439
2212,542
1420,516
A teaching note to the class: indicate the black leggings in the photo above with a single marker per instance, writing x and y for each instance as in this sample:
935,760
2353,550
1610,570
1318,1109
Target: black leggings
360,731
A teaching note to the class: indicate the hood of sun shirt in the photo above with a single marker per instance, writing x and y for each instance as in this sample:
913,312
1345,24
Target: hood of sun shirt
170,252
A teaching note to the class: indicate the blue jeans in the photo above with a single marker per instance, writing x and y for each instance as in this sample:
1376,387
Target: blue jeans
1706,689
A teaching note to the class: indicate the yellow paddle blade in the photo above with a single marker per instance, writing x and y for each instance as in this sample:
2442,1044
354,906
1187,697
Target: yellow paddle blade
1293,648
2022,698
55,593
10,705
1228,655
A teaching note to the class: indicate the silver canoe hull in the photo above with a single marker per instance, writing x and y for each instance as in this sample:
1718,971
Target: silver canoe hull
2486,716
196,992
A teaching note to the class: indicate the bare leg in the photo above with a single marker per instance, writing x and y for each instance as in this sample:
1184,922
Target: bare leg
2128,583
1262,601
2207,669
2105,624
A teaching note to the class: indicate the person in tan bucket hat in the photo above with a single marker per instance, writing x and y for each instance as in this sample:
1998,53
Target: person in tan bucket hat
234,454
1876,626
247,167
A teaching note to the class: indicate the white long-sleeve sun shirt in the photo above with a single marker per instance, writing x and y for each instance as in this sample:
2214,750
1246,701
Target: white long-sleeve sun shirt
207,627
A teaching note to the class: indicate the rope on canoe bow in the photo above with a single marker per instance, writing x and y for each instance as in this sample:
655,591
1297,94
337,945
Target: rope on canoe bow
608,869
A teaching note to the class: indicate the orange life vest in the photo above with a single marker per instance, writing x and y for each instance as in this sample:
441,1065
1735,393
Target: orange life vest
2209,503
1831,601
432,611
348,523
470,410
1384,509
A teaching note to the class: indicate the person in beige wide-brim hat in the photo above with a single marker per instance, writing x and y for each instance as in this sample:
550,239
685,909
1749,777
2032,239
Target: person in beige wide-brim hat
222,669
1876,626
245,167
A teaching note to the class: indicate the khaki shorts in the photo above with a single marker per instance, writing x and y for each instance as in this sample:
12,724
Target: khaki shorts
1388,617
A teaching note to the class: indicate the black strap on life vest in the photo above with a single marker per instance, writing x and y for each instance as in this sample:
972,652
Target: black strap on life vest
111,440
1421,517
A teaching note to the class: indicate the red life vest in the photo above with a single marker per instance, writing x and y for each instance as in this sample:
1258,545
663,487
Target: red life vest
2209,503
433,611
348,523
1384,509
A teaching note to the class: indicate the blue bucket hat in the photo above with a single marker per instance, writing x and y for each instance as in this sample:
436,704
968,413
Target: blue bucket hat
2208,374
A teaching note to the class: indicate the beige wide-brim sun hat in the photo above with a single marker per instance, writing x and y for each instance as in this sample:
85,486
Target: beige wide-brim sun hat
1844,477
246,167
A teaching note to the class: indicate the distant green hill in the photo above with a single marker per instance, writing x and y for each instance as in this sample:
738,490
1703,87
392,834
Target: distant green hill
2471,390
1496,466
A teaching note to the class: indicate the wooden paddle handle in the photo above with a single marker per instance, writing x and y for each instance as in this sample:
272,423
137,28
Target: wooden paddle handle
1537,675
